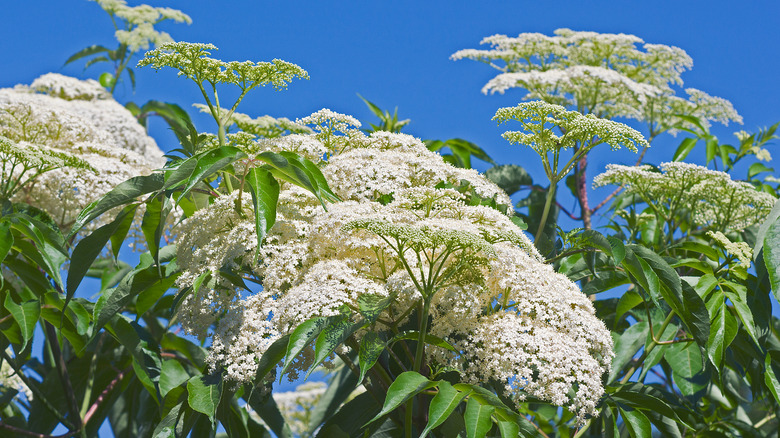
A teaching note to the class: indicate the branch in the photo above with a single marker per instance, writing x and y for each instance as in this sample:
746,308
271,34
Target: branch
62,370
104,394
17,431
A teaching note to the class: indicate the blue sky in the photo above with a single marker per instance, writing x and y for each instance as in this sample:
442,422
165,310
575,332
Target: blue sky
397,54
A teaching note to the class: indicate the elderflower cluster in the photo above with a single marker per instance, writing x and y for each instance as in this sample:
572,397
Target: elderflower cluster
138,23
741,250
608,75
61,118
539,119
10,379
408,228
192,61
298,406
712,198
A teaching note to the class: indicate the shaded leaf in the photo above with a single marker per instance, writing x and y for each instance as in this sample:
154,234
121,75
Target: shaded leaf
442,405
405,386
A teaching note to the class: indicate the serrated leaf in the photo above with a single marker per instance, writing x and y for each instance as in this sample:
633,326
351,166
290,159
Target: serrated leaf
772,255
510,177
6,239
371,347
628,301
371,306
722,331
405,386
772,373
265,195
333,335
302,336
171,376
508,429
477,418
442,405
121,194
637,423
26,316
429,339
204,393
772,217
340,387
91,246
626,346
268,410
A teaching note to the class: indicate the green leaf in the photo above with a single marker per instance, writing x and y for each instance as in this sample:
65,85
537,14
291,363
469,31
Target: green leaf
649,397
429,339
272,356
737,293
351,418
770,220
371,306
637,423
125,192
772,255
87,51
722,331
685,148
442,405
618,249
268,410
209,163
333,335
302,336
166,428
686,362
405,386
91,246
628,301
626,346
371,347
113,300
265,195
26,315
340,387
477,418
154,221
204,393
772,373
6,239
297,170
510,177
172,375
508,429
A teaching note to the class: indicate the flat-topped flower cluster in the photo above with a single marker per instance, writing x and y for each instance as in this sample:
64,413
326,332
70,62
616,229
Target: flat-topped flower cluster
608,75
67,142
407,228
711,197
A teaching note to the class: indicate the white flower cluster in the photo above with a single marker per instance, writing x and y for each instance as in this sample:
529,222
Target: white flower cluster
298,406
741,250
604,74
139,21
74,118
404,230
9,379
712,197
